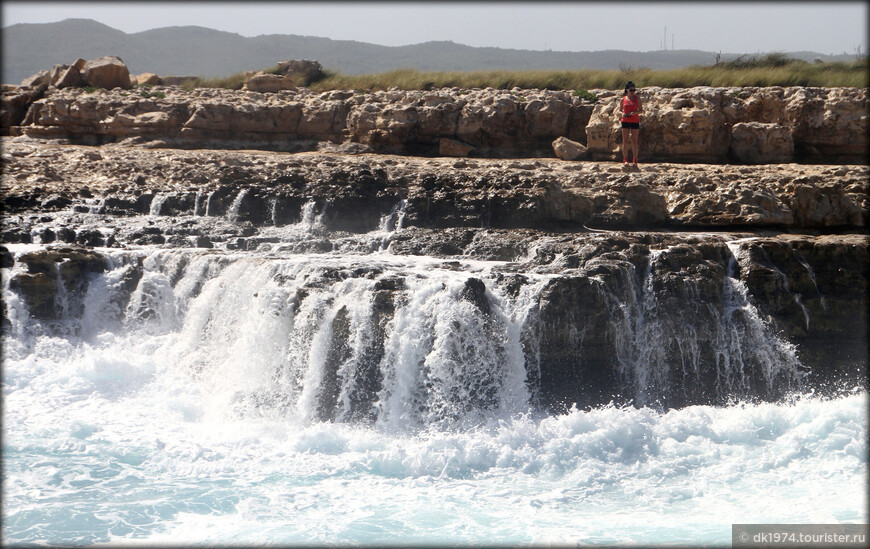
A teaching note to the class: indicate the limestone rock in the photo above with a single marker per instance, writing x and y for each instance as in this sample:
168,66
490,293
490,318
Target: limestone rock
451,147
14,103
42,78
148,79
679,125
106,72
55,73
829,123
759,143
567,149
69,78
676,124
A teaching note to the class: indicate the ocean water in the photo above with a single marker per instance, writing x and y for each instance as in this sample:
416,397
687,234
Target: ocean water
212,406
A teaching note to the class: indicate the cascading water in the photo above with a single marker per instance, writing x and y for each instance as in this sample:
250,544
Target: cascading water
272,396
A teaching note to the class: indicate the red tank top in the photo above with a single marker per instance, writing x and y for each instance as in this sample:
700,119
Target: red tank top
628,109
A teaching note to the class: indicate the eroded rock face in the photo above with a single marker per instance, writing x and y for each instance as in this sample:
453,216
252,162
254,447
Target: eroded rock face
757,142
750,125
678,124
15,102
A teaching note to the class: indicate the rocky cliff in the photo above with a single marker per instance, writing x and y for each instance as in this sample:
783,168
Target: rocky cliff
715,125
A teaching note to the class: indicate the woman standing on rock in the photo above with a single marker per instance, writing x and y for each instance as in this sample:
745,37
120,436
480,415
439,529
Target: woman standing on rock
630,109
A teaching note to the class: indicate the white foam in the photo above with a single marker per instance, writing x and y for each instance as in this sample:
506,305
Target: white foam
192,420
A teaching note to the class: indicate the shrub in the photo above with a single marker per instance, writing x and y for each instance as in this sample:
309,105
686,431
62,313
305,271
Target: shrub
587,95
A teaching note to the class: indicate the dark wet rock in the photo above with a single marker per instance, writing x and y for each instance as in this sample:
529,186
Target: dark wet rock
90,238
203,242
47,236
56,280
7,260
55,202
814,291
65,234
14,236
474,291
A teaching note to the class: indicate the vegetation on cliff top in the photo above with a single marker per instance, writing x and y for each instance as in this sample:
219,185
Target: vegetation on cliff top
768,70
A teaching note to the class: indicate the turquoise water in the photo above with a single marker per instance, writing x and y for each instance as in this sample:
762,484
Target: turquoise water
172,427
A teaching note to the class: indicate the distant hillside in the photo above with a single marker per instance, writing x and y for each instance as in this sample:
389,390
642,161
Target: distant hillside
198,51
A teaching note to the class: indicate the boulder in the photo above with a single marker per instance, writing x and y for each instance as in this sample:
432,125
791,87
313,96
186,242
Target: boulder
69,78
42,78
147,79
55,73
107,72
567,149
760,143
452,147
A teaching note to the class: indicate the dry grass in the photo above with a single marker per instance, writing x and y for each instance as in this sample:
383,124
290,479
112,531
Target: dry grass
770,70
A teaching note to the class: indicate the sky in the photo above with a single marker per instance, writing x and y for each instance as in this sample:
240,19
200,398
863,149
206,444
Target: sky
727,27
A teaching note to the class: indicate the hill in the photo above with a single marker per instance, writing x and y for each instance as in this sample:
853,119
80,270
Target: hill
199,51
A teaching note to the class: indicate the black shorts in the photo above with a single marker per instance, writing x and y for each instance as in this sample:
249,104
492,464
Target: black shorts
631,125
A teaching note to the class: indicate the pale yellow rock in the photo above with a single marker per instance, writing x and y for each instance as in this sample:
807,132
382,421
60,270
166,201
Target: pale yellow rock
106,72
451,147
566,149
147,79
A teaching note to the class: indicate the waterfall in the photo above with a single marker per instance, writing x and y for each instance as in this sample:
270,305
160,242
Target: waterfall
394,220
198,207
390,223
157,203
233,213
97,208
209,208
676,341
410,342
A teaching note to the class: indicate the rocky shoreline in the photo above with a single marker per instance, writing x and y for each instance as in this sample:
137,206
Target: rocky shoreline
88,174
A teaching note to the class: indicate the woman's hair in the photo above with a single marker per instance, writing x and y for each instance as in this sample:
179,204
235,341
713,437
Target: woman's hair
630,84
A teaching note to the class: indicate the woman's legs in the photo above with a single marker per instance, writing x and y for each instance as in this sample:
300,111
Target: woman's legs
625,137
634,149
